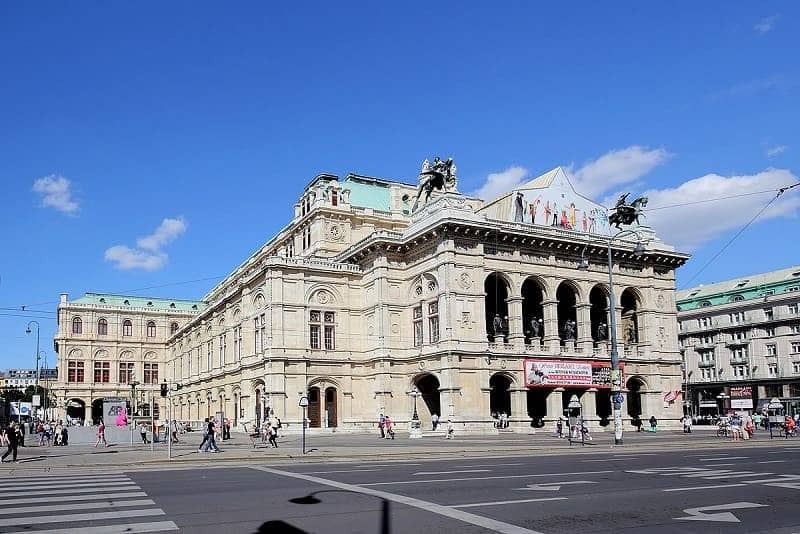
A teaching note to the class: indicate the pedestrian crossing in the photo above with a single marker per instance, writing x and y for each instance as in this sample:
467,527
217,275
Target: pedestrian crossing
97,503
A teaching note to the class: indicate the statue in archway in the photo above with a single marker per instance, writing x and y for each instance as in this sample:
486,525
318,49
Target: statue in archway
569,330
602,332
439,175
536,328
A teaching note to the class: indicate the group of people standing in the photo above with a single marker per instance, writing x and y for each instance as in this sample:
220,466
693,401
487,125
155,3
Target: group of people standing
386,426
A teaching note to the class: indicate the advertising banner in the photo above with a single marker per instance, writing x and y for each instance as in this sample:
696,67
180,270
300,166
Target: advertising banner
742,397
555,373
21,409
113,410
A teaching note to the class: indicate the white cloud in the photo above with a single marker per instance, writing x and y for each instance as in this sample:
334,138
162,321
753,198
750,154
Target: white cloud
499,183
766,24
167,231
148,256
616,168
56,193
774,151
690,226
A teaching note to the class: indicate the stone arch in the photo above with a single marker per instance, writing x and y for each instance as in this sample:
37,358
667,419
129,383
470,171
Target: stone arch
428,384
258,300
534,293
101,354
322,294
75,408
630,301
500,393
497,288
598,311
636,385
423,286
568,296
74,354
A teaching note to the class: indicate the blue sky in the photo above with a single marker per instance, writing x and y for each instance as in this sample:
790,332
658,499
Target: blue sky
118,117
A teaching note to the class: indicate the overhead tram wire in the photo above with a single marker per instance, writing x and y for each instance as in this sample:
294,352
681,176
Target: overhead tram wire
780,192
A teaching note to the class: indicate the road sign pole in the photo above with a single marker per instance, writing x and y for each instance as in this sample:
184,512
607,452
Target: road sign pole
304,404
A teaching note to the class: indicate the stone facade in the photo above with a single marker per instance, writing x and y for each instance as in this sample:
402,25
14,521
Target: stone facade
357,302
742,336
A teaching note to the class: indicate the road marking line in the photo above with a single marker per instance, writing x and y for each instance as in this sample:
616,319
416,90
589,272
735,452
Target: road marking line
451,472
724,458
466,517
72,491
705,487
738,475
340,471
75,506
609,460
726,465
69,518
488,465
67,487
499,503
98,496
77,478
155,526
700,513
771,462
781,478
484,478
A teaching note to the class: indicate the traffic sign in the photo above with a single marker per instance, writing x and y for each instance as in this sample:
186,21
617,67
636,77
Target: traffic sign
303,401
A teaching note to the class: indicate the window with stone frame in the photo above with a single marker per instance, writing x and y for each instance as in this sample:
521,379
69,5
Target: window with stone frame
708,374
237,342
772,370
796,328
314,328
77,325
256,336
417,320
144,408
102,372
262,330
433,322
741,371
173,328
772,350
769,331
127,328
151,373
102,327
796,367
151,329
74,372
769,314
330,330
794,309
126,372
795,348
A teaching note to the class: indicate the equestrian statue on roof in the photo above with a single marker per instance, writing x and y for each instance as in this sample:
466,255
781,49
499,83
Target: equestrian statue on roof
441,175
625,213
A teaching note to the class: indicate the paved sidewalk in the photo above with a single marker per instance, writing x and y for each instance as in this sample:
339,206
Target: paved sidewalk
342,446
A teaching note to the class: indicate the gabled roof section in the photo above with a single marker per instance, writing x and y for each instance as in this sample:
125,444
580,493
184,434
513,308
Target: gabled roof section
133,301
547,179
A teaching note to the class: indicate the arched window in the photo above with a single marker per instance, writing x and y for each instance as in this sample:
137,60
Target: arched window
102,327
151,329
173,328
77,325
127,328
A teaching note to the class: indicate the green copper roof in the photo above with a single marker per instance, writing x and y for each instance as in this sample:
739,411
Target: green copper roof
744,288
368,192
131,301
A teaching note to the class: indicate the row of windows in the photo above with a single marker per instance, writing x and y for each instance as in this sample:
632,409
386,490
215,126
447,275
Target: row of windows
742,371
102,372
740,317
127,327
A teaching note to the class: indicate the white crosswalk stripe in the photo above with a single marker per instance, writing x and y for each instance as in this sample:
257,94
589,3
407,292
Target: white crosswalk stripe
101,503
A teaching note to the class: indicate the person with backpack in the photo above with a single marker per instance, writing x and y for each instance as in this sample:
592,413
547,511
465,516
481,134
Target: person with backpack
13,443
211,443
272,434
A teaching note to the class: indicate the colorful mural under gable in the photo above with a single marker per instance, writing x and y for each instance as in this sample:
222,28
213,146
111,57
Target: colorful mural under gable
550,200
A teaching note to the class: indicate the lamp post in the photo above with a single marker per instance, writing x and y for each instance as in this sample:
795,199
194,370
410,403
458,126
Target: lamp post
46,384
416,428
616,375
28,331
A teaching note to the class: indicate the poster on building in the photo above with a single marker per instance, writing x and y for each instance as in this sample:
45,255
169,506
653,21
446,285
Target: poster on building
114,411
21,409
555,373
742,398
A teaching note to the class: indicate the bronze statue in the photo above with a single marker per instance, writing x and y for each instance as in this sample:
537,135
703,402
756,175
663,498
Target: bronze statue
625,213
536,328
569,330
441,175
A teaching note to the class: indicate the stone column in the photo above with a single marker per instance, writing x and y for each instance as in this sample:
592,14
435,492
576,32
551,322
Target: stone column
551,341
555,406
515,333
584,334
519,406
589,408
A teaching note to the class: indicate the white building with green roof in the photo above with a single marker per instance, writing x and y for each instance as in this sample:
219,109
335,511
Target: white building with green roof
741,342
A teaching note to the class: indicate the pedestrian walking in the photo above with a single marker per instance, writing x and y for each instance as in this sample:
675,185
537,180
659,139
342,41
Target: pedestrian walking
205,435
381,425
13,443
211,443
434,421
101,435
174,430
389,424
226,429
653,423
687,424
273,435
450,430
143,433
560,427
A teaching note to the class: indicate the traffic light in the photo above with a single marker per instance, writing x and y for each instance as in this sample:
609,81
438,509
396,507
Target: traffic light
164,388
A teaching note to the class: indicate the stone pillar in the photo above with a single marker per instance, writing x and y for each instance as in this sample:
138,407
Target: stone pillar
589,408
519,406
515,330
584,327
555,406
551,341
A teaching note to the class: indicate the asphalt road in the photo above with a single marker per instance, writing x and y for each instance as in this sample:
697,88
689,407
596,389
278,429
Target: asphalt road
689,489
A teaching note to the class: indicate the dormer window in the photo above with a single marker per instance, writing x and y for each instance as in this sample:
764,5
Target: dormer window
737,298
171,304
150,303
126,302
334,198
705,304
102,300
742,283
194,306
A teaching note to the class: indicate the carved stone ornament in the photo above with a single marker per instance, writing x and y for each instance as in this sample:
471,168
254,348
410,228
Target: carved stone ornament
323,297
422,365
661,302
335,232
464,280
395,328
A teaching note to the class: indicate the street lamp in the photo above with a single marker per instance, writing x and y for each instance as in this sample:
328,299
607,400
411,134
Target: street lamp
28,331
46,384
416,428
134,404
616,375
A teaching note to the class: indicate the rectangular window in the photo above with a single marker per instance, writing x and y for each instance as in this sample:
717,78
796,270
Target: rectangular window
769,332
125,372
314,336
795,348
102,372
221,358
417,317
256,336
239,344
772,369
314,328
772,350
102,327
74,371
151,329
330,331
151,373
739,335
793,309
708,374
796,367
209,354
707,356
737,317
769,314
127,328
796,329
741,371
262,319
433,322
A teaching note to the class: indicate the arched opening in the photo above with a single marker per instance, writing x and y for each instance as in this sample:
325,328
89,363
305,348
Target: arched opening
598,312
603,406
537,405
496,307
532,310
428,386
314,420
97,411
330,407
635,386
235,409
76,410
567,297
259,414
630,321
499,394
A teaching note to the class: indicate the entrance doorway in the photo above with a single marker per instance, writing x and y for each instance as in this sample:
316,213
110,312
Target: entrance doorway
330,407
499,394
76,409
428,386
314,420
634,386
97,411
